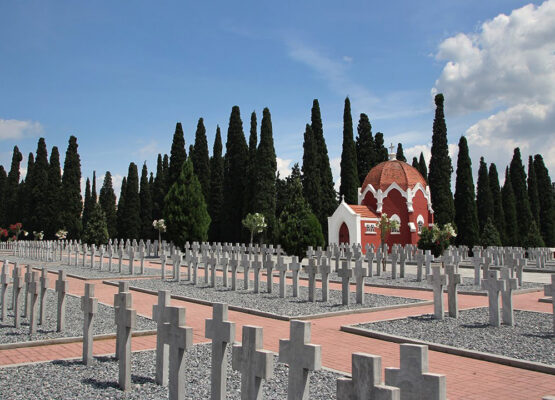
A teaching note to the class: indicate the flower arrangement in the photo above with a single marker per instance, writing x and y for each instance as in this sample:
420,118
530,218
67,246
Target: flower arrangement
61,234
38,235
436,239
16,230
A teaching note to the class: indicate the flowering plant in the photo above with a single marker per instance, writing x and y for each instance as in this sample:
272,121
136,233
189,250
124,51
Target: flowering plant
386,225
38,235
3,233
61,234
436,239
16,230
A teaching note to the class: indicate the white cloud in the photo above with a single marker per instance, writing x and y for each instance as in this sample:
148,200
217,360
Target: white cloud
149,149
335,164
116,184
283,167
348,59
415,151
14,129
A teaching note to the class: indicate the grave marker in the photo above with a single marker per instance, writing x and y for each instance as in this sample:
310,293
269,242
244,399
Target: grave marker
62,286
549,290
126,321
5,280
269,264
438,281
311,269
295,267
507,296
44,281
493,286
325,270
345,273
89,306
360,272
282,268
34,289
453,280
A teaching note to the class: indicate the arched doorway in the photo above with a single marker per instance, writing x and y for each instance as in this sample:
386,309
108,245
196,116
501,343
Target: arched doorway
344,234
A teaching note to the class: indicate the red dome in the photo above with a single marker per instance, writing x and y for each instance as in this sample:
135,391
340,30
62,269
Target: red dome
387,172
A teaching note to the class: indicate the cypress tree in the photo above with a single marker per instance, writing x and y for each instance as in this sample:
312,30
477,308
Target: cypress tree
349,174
466,218
96,230
328,199
518,180
439,176
533,196
107,201
216,189
380,150
201,159
131,213
12,185
509,209
400,155
422,166
39,189
533,237
121,232
546,200
158,191
265,188
53,196
87,204
310,173
3,187
490,236
71,191
498,214
284,188
94,197
415,163
185,210
484,197
252,167
365,148
177,154
25,209
147,232
235,164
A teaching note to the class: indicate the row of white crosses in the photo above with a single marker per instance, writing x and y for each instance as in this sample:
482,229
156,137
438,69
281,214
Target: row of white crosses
42,250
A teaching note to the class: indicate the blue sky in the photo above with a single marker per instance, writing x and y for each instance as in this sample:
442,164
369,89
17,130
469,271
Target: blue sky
119,75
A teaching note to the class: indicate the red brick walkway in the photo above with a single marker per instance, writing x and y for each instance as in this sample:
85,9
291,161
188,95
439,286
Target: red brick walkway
466,378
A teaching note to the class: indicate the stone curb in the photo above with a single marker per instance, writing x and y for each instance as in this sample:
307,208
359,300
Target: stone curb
278,316
85,278
478,355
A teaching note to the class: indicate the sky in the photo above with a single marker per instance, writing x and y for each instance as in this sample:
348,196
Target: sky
119,75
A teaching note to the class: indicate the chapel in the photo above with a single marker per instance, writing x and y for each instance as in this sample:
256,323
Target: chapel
392,187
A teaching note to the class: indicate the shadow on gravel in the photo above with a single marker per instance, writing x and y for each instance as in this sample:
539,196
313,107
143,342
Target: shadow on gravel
141,380
67,363
540,335
100,384
104,359
476,325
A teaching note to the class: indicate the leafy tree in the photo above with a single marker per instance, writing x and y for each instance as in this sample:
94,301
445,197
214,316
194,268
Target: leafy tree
53,197
400,155
235,164
185,211
533,195
310,172
518,180
12,184
509,209
121,209
251,166
265,187
201,159
107,201
484,197
490,236
385,225
365,148
255,223
380,150
533,237
422,166
71,189
349,174
216,189
131,212
439,176
87,204
298,226
546,200
146,206
466,218
96,230
498,214
177,154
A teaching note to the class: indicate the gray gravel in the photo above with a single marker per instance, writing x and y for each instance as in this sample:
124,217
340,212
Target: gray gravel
269,302
103,321
71,379
530,339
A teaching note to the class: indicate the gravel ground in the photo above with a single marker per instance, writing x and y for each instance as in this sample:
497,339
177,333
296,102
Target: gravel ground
103,321
71,379
530,339
269,302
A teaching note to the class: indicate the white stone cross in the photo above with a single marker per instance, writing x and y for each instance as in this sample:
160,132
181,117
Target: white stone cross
222,332
370,260
62,286
33,290
402,261
311,269
438,281
549,290
213,261
493,286
413,377
302,357
126,319
224,263
17,285
507,296
269,264
453,280
233,265
295,267
256,266
89,306
360,272
325,270
123,287
253,362
160,314
44,282
366,382
282,269
345,273
477,263
245,264
419,264
428,258
5,281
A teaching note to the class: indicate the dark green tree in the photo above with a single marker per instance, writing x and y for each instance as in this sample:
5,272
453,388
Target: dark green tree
54,196
298,226
533,238
87,204
466,218
235,180
509,209
422,166
94,196
24,210
107,201
498,214
349,174
490,236
147,232
251,166
415,163
380,150
310,173
39,190
284,188
96,230
12,185
518,180
546,200
121,232
366,149
533,196
439,177
71,191
177,154
216,203
3,187
159,189
201,159
400,155
484,197
185,210
131,212
265,188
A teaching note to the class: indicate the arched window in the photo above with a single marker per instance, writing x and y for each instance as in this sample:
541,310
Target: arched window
397,230
420,223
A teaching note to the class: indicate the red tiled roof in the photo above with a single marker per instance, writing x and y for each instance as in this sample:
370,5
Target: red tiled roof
363,211
387,172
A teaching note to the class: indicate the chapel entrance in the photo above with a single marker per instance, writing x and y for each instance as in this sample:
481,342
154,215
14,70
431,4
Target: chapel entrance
344,234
